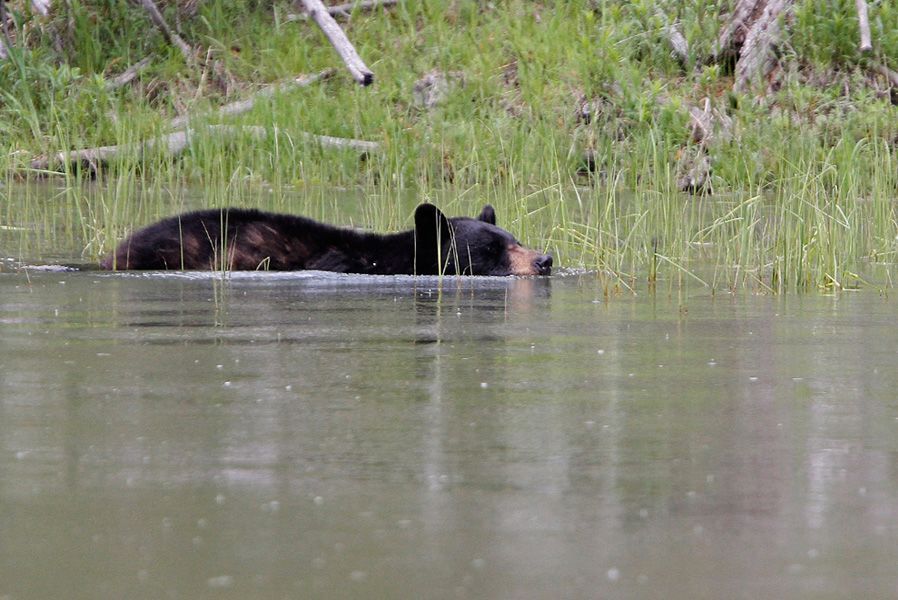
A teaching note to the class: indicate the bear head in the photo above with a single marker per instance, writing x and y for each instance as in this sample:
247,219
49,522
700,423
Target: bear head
471,246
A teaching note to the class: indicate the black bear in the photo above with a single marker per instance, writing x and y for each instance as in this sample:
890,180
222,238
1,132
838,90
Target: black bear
248,240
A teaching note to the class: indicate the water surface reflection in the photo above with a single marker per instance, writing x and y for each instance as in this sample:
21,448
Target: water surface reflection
329,436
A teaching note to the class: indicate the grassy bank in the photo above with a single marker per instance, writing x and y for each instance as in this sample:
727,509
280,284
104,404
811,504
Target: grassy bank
803,180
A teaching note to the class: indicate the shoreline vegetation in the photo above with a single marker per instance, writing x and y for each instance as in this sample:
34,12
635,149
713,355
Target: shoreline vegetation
728,143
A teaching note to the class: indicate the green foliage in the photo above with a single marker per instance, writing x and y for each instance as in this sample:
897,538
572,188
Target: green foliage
825,32
40,101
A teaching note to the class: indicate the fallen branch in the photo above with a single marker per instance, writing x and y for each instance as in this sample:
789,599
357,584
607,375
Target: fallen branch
863,23
344,10
129,74
176,142
359,71
242,106
170,35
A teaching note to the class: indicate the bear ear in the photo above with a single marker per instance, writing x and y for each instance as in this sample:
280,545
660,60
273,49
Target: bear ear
433,237
488,215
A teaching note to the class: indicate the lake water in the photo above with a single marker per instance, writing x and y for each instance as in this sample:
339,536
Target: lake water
326,436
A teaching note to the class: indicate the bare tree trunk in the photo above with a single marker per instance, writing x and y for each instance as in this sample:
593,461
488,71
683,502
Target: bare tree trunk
359,71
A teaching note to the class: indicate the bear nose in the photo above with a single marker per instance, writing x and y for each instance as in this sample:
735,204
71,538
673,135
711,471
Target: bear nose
543,264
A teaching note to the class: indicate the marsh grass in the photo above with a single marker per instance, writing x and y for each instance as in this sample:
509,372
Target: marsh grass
803,190
817,231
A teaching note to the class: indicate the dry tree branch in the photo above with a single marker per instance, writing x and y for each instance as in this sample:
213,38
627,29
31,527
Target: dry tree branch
359,71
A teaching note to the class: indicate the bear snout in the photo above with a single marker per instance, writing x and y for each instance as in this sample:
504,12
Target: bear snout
526,262
543,264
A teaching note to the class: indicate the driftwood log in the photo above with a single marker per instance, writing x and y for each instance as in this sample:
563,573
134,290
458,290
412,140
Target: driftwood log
176,142
679,46
751,35
358,69
345,9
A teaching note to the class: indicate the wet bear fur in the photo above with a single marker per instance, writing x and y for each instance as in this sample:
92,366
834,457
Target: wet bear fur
246,240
